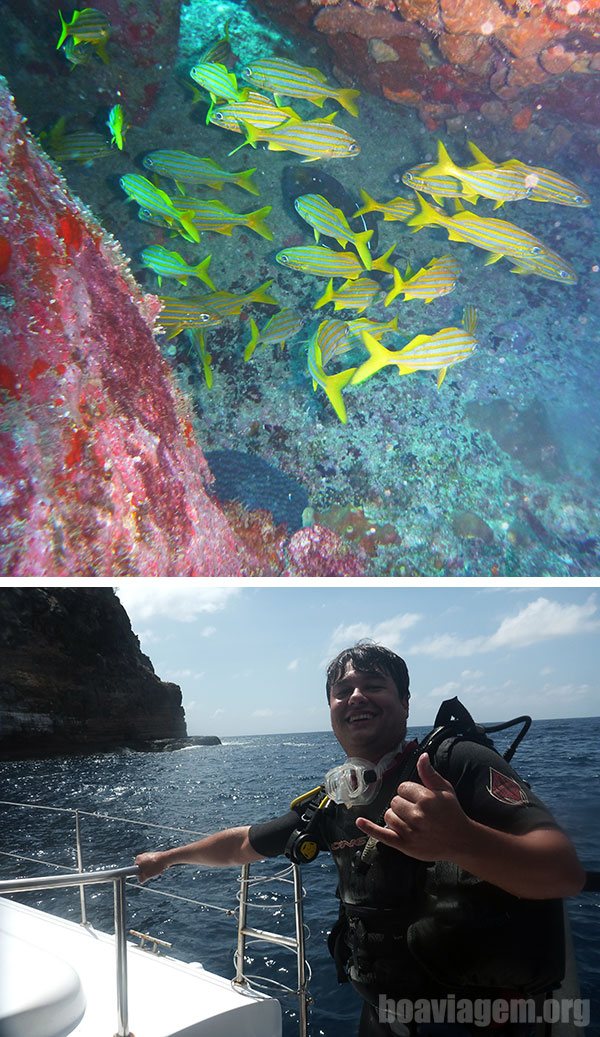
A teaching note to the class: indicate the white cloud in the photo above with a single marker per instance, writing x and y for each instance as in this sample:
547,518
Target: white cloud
444,689
263,713
472,675
217,713
179,599
208,631
540,620
294,664
389,632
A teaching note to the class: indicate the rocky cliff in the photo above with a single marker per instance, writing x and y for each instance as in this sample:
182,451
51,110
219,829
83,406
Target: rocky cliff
73,677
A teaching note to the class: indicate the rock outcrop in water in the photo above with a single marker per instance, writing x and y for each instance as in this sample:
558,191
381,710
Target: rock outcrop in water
73,678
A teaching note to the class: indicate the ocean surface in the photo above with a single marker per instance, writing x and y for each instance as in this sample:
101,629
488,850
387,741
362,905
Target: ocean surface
495,473
250,779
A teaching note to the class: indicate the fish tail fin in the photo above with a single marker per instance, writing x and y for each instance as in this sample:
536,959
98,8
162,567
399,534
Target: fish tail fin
254,340
244,180
441,375
327,296
201,271
261,294
361,243
256,222
398,286
369,204
334,384
469,319
425,217
381,263
346,99
379,357
186,218
64,31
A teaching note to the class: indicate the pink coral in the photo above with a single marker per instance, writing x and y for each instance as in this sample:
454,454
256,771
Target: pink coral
101,471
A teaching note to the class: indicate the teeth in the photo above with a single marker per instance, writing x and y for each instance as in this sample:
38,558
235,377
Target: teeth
361,716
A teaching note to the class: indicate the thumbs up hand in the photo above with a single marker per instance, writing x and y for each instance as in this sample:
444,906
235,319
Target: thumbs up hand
423,821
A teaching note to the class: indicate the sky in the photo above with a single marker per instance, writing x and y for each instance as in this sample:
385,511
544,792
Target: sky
251,659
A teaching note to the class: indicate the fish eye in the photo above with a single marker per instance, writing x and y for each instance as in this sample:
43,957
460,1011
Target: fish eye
204,317
353,149
145,213
563,273
147,162
578,198
297,204
217,116
247,72
283,258
408,176
536,250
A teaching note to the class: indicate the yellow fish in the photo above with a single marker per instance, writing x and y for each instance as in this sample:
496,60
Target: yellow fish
396,209
86,26
333,384
284,78
117,125
497,182
423,353
316,139
437,278
545,185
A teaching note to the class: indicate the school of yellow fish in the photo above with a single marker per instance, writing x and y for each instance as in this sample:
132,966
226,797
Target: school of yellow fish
258,113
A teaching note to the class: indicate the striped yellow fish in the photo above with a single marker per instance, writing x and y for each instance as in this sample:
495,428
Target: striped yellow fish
219,82
377,328
353,295
335,339
496,182
180,312
117,125
423,353
171,264
209,214
87,26
396,209
81,146
437,186
333,384
549,265
545,185
284,78
184,168
196,337
151,198
208,310
496,236
325,219
326,262
257,110
219,51
437,278
277,330
316,139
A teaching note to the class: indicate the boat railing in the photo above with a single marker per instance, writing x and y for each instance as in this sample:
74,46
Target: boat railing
246,933
118,877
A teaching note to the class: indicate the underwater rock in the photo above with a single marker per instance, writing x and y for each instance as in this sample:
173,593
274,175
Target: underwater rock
524,434
258,485
318,551
478,39
102,475
469,526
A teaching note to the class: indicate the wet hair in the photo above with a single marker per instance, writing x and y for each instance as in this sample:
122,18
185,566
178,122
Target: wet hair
368,657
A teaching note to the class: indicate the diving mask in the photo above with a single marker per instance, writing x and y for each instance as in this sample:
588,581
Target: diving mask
356,782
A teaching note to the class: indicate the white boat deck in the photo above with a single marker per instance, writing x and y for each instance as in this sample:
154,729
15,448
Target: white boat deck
59,978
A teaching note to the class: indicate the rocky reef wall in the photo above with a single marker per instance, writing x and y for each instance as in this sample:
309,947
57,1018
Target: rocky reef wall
73,678
510,60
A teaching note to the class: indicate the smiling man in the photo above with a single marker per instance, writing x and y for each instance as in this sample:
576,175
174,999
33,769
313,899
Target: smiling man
450,869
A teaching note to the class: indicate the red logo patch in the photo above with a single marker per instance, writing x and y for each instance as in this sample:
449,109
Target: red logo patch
506,789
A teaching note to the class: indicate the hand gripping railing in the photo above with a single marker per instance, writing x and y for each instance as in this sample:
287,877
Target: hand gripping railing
93,878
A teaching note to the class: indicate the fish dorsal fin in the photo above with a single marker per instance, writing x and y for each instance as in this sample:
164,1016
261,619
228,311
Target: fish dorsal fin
316,72
478,154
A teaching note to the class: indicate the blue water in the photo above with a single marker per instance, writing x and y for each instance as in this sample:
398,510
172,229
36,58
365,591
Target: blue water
251,779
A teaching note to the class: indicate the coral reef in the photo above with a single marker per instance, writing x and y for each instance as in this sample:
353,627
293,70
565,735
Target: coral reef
510,61
102,472
73,678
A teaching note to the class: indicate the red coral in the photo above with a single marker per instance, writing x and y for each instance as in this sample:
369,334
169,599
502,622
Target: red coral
5,253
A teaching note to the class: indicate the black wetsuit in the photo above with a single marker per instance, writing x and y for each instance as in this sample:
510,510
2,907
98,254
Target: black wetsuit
391,935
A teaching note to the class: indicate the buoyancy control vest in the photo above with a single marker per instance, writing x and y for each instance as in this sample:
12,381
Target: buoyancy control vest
413,928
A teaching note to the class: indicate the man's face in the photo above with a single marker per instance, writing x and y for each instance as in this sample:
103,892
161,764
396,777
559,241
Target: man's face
368,717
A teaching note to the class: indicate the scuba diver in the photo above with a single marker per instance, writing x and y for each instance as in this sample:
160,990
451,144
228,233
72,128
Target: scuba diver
450,870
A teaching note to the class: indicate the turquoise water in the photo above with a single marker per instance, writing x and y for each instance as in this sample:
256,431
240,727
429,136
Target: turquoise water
205,789
494,474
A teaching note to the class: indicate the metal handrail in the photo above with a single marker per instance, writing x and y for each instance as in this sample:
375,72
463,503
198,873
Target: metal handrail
93,878
296,943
